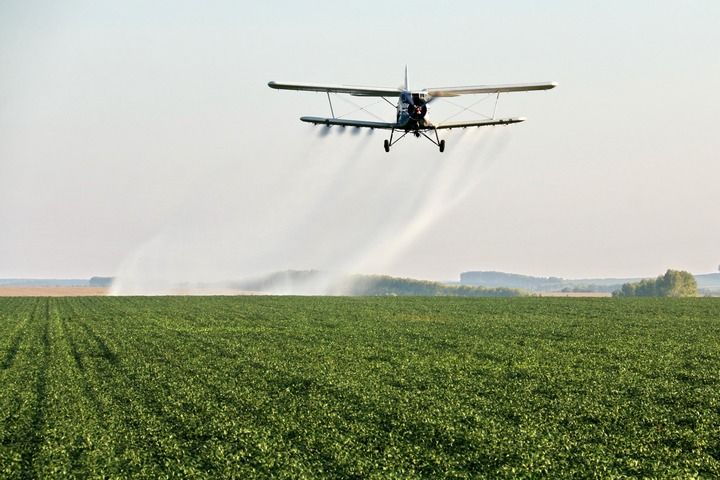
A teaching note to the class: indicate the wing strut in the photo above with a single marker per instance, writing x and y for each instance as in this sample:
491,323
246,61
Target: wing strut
332,112
496,102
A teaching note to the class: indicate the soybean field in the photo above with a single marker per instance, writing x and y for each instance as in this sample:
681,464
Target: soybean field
376,387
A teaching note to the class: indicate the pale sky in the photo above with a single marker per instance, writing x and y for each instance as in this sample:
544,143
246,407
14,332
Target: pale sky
140,139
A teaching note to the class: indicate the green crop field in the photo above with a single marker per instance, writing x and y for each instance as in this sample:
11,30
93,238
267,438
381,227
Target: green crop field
245,387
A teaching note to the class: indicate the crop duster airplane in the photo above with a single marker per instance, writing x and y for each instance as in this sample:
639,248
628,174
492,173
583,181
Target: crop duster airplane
412,107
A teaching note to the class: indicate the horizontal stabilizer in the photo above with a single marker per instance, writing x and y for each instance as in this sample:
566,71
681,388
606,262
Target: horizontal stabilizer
347,123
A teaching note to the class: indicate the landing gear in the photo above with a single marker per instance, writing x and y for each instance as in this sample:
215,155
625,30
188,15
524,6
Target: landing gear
417,132
436,140
390,143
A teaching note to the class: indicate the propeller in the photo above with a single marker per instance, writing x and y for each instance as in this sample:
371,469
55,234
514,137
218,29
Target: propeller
430,99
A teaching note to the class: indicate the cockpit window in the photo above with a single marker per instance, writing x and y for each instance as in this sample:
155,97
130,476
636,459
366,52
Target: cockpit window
418,98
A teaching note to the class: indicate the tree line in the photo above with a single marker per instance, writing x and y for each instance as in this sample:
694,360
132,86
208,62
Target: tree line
674,283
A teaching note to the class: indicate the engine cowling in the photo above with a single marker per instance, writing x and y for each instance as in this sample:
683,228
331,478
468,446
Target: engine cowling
418,108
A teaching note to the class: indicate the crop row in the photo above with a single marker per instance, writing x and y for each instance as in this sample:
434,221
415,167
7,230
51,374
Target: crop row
248,387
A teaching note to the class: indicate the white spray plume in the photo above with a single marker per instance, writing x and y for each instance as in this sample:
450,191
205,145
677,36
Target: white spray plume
342,207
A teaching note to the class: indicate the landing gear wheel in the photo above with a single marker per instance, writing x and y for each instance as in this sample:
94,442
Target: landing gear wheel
387,146
442,146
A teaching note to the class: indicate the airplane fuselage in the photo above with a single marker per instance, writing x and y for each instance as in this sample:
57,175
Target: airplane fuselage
411,111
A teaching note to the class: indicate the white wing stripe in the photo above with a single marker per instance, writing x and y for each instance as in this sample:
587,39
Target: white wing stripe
350,89
479,89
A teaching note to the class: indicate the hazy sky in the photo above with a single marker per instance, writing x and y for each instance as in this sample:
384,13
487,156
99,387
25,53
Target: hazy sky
140,139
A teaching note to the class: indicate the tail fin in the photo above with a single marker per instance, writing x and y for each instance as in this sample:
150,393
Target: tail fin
407,82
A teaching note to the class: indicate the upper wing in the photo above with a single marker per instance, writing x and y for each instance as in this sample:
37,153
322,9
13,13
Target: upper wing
521,87
352,90
479,123
347,123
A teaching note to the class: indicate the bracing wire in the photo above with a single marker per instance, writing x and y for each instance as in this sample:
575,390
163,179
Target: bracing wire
469,108
361,108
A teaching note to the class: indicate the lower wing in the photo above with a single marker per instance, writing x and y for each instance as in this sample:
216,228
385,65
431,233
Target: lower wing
478,123
386,125
348,123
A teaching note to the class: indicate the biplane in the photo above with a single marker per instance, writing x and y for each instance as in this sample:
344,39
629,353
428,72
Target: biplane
412,107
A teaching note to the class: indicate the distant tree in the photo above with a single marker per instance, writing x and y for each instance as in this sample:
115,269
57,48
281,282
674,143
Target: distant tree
384,285
674,283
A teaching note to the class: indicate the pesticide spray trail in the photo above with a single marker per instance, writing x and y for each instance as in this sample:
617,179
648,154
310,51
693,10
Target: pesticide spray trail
458,174
236,225
342,206
318,234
